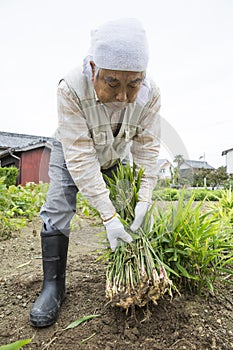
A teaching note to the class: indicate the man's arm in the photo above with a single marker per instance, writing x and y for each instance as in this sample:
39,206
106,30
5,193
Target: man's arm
80,155
145,151
146,145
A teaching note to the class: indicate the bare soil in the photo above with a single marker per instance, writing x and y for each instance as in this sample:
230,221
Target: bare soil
185,322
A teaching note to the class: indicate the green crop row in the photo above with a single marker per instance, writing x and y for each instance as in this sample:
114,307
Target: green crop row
18,205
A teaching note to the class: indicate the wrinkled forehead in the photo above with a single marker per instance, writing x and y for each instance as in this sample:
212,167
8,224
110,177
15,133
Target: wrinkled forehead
117,75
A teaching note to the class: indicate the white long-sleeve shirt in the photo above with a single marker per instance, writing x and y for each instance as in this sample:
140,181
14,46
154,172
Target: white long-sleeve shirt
86,129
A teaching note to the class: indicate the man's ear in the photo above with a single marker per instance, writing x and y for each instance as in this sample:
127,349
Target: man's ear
92,64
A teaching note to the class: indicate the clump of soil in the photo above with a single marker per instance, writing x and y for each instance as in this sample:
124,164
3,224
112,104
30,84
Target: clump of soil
185,322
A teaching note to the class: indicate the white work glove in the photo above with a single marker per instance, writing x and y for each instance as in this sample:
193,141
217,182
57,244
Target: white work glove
115,230
139,214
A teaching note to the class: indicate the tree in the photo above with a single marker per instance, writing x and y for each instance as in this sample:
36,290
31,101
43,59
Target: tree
199,177
179,159
217,177
214,178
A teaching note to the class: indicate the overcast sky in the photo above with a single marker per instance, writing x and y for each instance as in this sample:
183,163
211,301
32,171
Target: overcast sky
191,60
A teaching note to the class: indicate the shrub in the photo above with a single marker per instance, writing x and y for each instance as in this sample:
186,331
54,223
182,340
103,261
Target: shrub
210,195
9,175
18,204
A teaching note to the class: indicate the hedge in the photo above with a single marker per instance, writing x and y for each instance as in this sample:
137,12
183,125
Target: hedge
172,194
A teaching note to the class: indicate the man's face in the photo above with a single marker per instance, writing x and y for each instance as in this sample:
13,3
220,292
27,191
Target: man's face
117,86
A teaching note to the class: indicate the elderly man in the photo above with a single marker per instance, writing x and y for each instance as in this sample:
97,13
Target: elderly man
105,110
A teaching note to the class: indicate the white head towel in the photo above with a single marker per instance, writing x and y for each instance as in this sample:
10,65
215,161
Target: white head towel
119,45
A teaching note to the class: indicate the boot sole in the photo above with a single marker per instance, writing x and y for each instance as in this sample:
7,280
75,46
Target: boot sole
40,321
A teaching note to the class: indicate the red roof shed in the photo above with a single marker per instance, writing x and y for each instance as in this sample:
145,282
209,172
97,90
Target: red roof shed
30,154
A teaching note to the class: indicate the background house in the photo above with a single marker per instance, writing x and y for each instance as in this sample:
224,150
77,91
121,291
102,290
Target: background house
194,164
29,153
164,168
190,170
229,160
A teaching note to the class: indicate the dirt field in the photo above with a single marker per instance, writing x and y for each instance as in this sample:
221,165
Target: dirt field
187,322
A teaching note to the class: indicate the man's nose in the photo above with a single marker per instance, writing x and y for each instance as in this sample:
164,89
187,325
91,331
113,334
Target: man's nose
121,96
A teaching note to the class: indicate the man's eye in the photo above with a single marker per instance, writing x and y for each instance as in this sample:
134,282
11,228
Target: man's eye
135,85
113,85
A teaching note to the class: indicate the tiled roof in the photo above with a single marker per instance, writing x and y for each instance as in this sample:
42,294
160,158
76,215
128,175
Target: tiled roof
196,164
21,141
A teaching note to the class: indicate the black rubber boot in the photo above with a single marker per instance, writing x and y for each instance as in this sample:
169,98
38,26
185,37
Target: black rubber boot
44,311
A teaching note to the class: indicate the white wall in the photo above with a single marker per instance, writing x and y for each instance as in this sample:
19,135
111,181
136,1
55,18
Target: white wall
229,158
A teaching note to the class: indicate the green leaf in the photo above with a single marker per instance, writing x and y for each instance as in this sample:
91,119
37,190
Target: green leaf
81,320
185,272
16,345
